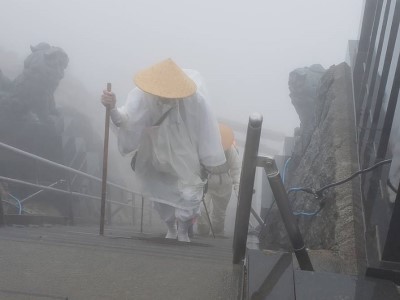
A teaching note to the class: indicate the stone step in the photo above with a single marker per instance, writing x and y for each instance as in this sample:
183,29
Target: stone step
75,262
275,275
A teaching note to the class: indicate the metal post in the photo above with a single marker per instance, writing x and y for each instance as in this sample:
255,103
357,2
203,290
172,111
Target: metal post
141,216
133,208
208,218
392,244
70,210
105,162
257,217
2,221
289,220
253,212
205,189
364,40
109,213
382,149
249,164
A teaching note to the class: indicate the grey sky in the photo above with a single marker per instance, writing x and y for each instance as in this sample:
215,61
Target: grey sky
244,49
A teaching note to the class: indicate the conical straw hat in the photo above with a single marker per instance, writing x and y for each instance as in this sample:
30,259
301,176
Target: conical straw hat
165,79
227,136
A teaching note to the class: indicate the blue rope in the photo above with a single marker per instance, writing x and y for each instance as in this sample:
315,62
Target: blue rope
303,213
297,189
306,214
19,203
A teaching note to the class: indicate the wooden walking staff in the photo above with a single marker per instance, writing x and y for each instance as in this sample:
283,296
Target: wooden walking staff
105,162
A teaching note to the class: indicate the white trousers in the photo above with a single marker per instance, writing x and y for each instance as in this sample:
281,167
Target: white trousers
169,213
217,199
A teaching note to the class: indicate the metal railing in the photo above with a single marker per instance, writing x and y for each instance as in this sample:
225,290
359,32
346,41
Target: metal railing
376,84
251,161
68,191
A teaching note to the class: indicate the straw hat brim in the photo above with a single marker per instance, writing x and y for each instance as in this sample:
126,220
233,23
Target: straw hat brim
166,80
227,136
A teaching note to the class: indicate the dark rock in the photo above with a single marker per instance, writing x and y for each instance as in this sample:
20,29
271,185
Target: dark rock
30,121
328,155
30,97
303,87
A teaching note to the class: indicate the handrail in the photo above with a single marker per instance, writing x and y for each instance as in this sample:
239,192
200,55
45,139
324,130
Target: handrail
251,160
43,187
247,176
69,191
60,166
289,220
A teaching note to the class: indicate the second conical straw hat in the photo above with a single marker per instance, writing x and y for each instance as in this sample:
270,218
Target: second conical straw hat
165,79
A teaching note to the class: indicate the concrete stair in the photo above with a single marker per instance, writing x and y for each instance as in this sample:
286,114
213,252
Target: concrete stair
275,275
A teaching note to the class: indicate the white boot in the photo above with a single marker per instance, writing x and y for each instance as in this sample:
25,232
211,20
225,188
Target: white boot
183,231
172,231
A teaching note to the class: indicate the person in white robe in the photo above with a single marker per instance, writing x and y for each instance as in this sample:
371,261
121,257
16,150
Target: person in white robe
170,129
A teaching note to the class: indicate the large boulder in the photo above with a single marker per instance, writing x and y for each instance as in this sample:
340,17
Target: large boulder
303,87
328,155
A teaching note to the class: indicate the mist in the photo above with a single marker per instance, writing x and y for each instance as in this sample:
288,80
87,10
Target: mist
244,50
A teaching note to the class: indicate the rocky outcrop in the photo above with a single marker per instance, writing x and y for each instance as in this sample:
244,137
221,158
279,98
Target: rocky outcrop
328,155
303,87
70,134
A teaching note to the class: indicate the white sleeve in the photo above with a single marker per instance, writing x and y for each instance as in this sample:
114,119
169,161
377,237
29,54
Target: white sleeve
132,118
118,116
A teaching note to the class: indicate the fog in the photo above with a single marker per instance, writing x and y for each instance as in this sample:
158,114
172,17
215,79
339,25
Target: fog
244,49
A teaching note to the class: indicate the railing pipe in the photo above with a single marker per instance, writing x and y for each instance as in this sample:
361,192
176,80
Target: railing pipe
133,208
249,164
70,171
2,222
141,216
43,187
289,220
60,166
